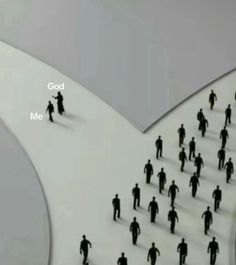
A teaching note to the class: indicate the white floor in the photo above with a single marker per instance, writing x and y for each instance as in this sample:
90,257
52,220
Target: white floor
92,153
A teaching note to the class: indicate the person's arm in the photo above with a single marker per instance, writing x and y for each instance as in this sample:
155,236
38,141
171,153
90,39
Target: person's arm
203,214
158,251
157,208
144,169
213,194
130,228
152,171
202,163
198,182
139,230
218,251
215,97
178,248
177,188
169,192
208,249
149,206
211,219
177,218
80,250
148,255
190,183
118,261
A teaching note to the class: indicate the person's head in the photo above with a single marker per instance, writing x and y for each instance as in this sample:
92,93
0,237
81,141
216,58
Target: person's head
230,159
136,185
224,127
201,110
182,125
173,182
208,208
122,254
183,240
212,91
173,208
199,154
149,160
49,102
194,173
84,237
153,244
135,218
153,198
162,168
159,137
193,138
229,106
217,187
59,93
183,149
116,195
214,239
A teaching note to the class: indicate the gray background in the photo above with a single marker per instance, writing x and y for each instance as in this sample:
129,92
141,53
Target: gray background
141,57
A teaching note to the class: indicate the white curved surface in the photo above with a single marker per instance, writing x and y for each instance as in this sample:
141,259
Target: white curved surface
93,153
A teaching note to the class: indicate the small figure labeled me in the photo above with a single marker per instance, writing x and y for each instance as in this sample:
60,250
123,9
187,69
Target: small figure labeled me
50,110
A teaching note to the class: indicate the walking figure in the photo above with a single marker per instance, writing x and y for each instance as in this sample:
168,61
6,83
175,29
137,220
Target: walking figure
228,112
116,207
194,183
212,99
182,158
135,230
136,195
154,209
229,169
199,164
182,135
162,180
203,125
221,156
172,192
224,136
50,110
192,148
172,218
200,116
213,249
217,196
159,147
152,254
148,170
60,106
183,251
208,219
122,260
84,248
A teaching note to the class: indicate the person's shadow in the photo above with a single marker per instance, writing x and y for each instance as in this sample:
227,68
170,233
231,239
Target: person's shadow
74,117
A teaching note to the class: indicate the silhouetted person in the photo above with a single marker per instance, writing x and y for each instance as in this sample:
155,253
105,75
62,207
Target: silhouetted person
229,169
182,158
200,116
203,125
172,218
217,196
182,135
116,207
122,260
148,170
152,254
136,195
159,145
153,209
224,136
228,112
183,251
50,110
212,99
60,106
135,230
221,157
208,219
213,248
172,192
162,179
84,248
199,164
192,148
194,183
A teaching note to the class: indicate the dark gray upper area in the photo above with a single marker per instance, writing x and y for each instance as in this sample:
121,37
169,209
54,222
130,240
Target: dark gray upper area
141,57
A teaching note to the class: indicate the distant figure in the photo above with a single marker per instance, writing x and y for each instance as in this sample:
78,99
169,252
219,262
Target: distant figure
199,164
84,248
172,218
154,209
122,260
152,254
50,110
194,182
212,99
162,180
182,158
192,148
136,195
183,251
172,192
200,116
228,112
159,144
208,219
221,156
148,170
60,106
229,169
213,248
203,125
217,196
135,230
182,135
116,207
224,136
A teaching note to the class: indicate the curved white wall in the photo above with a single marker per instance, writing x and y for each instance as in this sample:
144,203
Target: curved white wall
142,57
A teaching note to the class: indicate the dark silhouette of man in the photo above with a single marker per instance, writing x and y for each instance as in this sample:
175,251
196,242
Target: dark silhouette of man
162,180
50,110
199,164
192,148
200,116
84,248
159,145
148,170
212,99
213,249
228,112
136,195
116,207
135,230
203,125
60,106
183,251
152,254
224,136
182,158
194,183
229,169
172,192
182,135
122,260
221,156
208,219
172,218
153,209
217,196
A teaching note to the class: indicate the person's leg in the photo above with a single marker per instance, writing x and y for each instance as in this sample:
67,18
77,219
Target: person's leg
85,257
138,203
219,163
134,205
161,149
215,205
114,214
118,213
160,187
